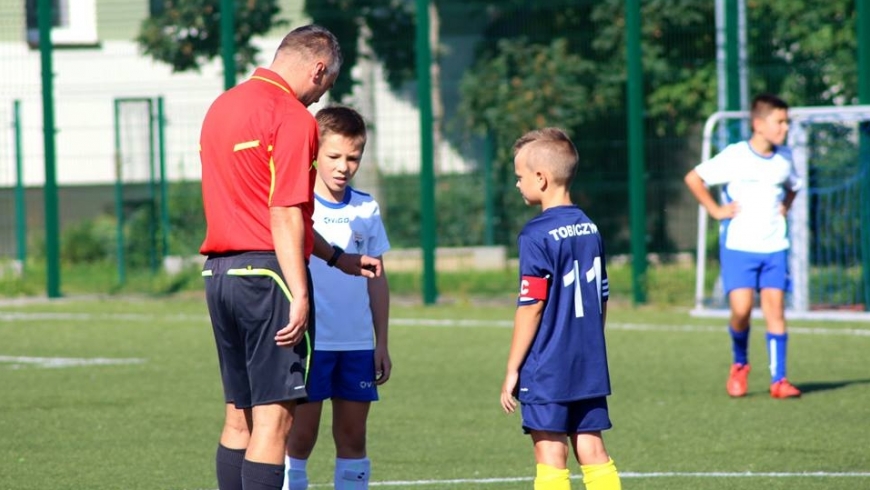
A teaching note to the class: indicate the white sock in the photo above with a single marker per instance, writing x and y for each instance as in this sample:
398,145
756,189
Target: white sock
352,474
297,477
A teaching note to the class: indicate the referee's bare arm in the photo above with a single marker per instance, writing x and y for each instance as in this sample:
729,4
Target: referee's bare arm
288,236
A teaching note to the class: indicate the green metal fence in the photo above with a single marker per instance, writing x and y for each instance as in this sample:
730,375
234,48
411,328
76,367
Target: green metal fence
492,70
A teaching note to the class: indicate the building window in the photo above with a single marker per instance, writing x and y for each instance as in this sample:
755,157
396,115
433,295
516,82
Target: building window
73,22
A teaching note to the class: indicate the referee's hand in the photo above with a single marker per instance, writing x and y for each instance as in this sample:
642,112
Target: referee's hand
297,325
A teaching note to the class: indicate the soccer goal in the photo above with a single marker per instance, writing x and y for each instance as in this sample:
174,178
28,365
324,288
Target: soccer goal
829,223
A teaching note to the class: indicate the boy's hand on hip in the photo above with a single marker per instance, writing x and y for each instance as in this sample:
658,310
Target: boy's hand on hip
726,211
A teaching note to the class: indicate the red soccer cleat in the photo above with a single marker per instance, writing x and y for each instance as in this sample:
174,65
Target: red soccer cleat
737,382
784,389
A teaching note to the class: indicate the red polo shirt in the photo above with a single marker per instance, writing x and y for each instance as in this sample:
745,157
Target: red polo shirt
257,146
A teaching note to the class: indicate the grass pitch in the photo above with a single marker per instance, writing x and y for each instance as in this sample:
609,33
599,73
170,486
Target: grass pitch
125,394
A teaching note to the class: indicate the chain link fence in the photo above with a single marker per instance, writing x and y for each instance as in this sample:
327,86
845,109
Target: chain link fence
499,68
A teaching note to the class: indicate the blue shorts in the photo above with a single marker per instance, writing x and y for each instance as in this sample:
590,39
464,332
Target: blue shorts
348,375
574,417
754,270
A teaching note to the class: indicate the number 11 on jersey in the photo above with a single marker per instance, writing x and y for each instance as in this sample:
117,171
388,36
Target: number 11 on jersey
573,278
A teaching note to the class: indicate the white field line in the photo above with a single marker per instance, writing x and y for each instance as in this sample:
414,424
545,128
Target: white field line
408,322
622,474
63,362
19,316
664,474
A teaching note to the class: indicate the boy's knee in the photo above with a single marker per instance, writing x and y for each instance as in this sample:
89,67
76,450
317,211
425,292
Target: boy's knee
350,442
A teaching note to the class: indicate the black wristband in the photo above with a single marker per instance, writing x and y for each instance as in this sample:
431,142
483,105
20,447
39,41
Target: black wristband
335,255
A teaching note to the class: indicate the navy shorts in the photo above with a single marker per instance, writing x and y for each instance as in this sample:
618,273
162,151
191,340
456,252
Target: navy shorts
248,302
575,417
347,375
741,270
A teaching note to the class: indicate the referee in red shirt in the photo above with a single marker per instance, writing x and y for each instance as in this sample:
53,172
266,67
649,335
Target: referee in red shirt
257,147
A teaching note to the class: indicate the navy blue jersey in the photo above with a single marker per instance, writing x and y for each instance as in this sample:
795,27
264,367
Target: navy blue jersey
562,264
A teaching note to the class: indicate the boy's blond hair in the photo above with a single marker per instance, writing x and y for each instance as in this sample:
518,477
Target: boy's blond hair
550,147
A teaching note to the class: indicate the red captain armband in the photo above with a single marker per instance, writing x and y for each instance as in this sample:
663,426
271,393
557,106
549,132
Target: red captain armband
533,288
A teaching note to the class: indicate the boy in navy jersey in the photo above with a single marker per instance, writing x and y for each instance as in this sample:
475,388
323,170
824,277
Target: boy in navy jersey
557,365
759,184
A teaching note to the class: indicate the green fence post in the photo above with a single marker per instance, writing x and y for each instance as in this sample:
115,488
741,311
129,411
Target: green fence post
732,66
20,191
119,198
228,42
164,192
863,14
489,194
427,165
52,226
152,188
636,166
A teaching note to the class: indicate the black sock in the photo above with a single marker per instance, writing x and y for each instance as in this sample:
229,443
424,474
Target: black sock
229,467
262,476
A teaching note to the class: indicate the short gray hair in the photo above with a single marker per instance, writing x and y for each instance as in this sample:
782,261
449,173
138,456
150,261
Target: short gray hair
314,41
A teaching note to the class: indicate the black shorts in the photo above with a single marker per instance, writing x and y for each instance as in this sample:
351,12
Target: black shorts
248,302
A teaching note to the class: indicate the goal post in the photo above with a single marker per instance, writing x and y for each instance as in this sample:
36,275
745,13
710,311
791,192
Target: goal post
829,222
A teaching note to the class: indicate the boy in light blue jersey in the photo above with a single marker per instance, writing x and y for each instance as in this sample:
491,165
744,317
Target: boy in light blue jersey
350,358
557,365
759,185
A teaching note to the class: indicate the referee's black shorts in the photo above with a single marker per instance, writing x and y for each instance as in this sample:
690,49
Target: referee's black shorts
248,302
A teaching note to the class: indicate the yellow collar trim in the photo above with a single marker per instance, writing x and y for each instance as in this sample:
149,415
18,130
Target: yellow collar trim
257,77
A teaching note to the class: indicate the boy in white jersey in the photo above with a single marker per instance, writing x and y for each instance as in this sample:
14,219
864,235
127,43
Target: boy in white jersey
759,185
350,357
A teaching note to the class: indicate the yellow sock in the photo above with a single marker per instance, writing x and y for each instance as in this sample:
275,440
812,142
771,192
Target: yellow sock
601,476
550,478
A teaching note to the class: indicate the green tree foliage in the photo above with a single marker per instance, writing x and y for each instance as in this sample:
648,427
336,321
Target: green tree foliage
805,54
806,51
187,34
562,63
389,31
525,86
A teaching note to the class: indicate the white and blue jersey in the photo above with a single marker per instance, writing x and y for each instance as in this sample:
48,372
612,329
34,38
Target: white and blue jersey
344,316
562,263
758,184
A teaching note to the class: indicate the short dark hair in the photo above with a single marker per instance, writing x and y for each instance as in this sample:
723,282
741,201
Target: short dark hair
763,104
313,40
342,120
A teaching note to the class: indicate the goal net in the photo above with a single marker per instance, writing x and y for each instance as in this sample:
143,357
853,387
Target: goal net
829,222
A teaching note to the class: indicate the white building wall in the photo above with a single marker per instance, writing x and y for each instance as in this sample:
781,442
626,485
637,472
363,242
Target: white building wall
86,83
